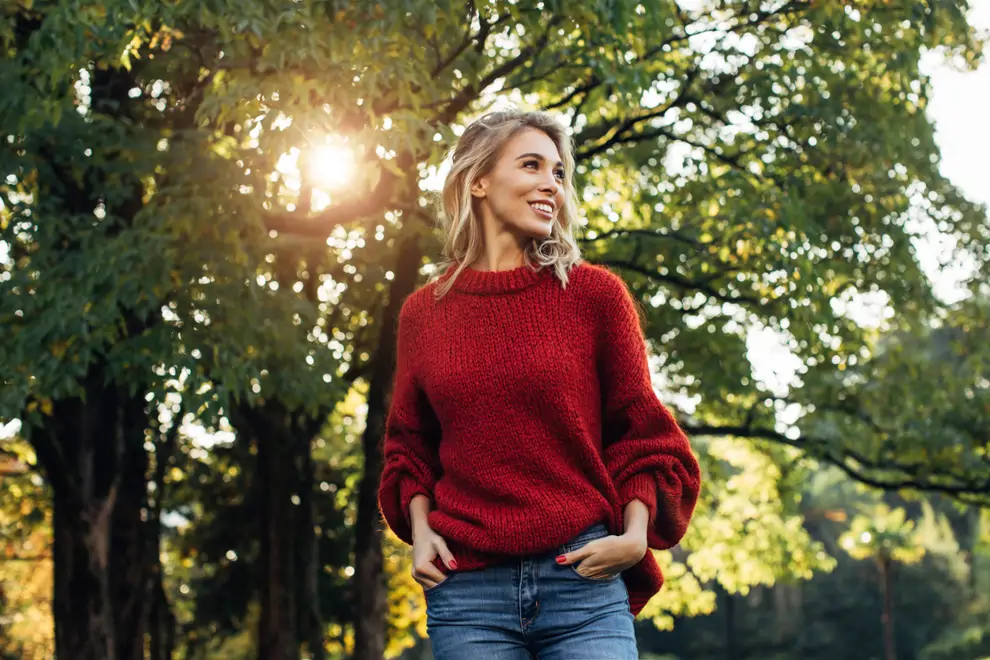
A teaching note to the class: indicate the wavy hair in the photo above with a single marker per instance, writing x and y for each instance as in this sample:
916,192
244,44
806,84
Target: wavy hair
474,155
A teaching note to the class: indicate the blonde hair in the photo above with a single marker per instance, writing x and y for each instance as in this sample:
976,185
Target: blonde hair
475,155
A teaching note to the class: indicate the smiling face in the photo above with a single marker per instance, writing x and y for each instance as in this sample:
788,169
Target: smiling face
524,191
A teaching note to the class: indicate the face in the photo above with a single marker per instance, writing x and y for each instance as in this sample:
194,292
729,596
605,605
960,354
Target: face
524,191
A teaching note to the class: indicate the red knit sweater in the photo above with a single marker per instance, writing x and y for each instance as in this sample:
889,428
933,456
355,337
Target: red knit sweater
526,413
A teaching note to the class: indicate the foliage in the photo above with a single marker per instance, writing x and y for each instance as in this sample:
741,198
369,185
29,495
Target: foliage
25,556
882,532
743,168
126,238
969,635
747,531
837,613
213,559
920,404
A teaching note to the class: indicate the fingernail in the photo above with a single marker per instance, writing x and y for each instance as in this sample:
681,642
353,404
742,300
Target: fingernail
453,564
561,559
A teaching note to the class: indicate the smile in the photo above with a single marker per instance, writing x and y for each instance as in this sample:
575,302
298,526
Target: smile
543,209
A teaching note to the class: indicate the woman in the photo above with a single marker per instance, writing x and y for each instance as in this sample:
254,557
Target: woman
527,459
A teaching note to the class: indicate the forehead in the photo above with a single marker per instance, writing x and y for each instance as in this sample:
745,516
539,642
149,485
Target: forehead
532,140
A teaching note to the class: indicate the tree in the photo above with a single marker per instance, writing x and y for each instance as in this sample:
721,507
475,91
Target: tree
834,613
107,305
969,635
885,536
918,405
742,167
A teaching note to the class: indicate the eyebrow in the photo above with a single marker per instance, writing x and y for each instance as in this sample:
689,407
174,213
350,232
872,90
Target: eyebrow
560,163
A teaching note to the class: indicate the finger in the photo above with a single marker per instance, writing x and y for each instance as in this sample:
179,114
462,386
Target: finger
595,572
573,556
445,554
429,584
429,572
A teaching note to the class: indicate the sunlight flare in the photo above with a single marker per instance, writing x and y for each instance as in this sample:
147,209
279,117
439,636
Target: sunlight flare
331,166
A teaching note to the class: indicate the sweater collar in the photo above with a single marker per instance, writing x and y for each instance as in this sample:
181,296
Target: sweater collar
494,282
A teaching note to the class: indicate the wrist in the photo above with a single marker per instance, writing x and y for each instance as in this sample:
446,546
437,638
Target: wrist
636,542
421,527
635,535
419,512
636,519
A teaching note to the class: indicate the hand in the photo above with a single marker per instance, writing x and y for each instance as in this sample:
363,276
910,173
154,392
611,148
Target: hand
427,544
607,556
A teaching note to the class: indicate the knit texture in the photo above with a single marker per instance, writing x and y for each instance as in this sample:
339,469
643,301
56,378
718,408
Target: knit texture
526,413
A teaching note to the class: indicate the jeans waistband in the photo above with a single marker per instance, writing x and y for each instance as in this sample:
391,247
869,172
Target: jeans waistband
595,531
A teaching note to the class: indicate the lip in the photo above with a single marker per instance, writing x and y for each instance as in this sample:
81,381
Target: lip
542,213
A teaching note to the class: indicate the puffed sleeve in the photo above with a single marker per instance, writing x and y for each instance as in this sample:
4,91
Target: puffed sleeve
412,434
647,454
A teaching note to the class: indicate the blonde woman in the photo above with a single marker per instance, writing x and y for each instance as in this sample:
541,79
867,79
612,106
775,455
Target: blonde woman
527,459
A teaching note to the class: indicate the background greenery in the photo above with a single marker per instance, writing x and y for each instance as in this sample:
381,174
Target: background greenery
199,323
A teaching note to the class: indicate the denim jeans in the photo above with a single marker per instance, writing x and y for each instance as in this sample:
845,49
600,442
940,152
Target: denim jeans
531,608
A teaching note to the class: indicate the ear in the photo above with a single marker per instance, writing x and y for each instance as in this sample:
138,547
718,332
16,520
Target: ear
479,189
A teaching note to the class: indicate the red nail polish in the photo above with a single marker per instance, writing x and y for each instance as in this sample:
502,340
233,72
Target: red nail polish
561,559
453,564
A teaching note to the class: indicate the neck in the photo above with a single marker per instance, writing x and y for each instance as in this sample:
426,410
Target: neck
504,248
500,257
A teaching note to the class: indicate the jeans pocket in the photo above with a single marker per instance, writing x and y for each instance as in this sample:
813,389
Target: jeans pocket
593,533
603,580
438,585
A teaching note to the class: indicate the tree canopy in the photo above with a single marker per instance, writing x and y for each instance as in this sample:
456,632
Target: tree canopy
173,249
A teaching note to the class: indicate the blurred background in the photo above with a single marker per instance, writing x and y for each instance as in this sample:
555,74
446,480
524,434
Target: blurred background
211,213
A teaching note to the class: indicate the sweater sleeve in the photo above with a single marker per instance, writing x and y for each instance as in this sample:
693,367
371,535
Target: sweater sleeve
646,453
412,433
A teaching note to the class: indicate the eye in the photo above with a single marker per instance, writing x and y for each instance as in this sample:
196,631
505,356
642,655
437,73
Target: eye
559,174
534,163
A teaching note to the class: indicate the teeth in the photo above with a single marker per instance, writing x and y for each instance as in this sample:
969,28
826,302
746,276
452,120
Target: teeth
543,207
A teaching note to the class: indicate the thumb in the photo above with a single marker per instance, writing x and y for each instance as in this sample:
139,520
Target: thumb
445,554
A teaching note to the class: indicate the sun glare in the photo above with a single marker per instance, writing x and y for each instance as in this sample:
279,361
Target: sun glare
331,166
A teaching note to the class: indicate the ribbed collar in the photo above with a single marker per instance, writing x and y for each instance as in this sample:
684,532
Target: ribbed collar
494,282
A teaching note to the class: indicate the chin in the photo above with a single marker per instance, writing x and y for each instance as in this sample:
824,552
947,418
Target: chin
538,231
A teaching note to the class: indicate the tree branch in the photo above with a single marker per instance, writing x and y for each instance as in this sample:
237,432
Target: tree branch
648,233
469,38
594,81
320,225
969,490
676,280
614,132
464,98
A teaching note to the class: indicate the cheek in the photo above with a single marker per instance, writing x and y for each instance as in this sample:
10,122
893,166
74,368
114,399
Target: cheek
515,192
512,186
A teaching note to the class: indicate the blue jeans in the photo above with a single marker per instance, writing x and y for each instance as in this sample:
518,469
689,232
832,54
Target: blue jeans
531,608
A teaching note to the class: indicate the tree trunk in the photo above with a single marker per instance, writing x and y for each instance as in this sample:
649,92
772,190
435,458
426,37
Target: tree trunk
93,456
277,633
130,578
81,602
889,652
369,586
83,452
162,622
92,450
310,619
731,642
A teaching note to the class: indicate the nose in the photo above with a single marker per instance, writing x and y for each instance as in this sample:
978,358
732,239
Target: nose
550,186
